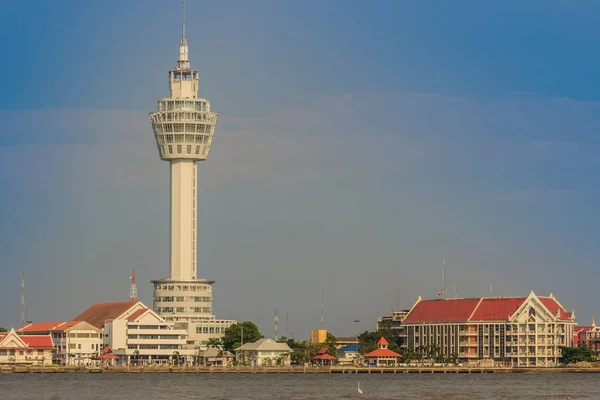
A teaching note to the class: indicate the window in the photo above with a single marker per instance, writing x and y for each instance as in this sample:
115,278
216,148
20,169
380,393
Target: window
170,149
179,148
189,149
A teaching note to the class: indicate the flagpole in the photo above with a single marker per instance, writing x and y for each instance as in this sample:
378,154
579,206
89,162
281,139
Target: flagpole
444,270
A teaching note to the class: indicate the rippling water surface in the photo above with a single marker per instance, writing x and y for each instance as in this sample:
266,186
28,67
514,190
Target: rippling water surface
297,386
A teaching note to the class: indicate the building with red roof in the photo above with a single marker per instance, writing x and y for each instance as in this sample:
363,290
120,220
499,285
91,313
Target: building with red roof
25,350
518,331
588,336
382,356
76,342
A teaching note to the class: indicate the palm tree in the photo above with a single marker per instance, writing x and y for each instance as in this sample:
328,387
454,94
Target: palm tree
213,343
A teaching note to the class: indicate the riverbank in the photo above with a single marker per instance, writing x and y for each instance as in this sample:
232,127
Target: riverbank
289,370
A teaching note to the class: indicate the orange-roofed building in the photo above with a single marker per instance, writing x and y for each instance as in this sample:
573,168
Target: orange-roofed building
136,334
382,356
76,342
25,350
511,331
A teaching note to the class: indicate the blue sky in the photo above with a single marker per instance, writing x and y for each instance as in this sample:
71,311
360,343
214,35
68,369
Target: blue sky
353,137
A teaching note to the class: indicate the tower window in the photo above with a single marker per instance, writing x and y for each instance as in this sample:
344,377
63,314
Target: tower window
189,149
179,148
197,149
170,149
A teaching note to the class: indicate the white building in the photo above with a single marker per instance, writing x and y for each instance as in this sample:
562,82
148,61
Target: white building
263,352
25,350
76,342
183,126
136,334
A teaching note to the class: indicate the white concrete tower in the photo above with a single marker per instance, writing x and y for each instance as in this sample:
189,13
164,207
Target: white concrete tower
183,127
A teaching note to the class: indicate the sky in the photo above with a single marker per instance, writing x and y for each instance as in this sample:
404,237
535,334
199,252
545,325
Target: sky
353,137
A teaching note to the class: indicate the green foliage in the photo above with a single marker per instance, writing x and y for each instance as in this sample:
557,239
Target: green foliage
214,343
368,341
3,329
300,353
582,353
233,335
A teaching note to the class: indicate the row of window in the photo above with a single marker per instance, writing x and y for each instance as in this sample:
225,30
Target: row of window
184,288
197,105
179,138
155,337
162,117
205,310
153,347
182,127
211,329
168,150
197,299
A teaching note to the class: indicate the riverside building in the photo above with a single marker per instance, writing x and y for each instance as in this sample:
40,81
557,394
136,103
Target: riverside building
509,331
183,126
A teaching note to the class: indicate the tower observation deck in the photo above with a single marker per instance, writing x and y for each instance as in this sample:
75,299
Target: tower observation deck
183,127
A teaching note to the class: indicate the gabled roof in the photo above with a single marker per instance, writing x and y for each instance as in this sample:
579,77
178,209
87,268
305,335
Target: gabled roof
478,309
98,313
48,327
265,344
33,342
496,308
38,342
137,314
38,327
441,310
213,352
555,308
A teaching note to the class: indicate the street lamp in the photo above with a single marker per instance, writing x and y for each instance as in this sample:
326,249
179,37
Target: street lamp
356,321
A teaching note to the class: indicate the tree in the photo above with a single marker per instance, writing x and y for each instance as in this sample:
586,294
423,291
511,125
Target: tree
368,340
3,329
582,353
213,343
233,335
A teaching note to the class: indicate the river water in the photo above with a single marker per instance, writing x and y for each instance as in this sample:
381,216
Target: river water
298,386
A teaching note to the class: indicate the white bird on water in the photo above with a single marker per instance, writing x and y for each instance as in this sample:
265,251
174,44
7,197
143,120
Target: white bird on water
359,389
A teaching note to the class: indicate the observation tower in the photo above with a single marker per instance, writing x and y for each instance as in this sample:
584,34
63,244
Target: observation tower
183,126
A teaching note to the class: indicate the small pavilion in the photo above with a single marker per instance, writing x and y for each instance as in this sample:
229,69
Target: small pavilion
382,357
323,357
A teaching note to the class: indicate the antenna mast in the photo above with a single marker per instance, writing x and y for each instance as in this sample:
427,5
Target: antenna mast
276,320
287,331
490,285
183,22
133,287
444,270
22,297
322,312
398,284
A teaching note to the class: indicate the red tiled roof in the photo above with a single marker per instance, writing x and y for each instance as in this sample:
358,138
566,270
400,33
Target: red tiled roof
66,325
382,353
324,357
382,342
98,313
442,310
47,327
38,327
555,308
136,314
496,309
109,356
38,342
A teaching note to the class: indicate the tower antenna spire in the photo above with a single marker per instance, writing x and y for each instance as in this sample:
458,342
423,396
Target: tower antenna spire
183,22
22,297
444,270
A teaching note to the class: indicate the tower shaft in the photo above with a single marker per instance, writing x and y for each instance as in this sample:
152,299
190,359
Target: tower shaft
184,191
